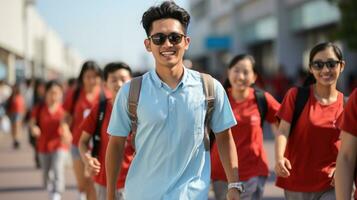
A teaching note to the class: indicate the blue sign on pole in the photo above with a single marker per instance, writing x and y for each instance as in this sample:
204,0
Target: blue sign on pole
218,43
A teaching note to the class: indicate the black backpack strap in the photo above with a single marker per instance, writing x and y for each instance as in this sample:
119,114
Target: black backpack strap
209,92
133,100
345,99
261,103
302,96
101,113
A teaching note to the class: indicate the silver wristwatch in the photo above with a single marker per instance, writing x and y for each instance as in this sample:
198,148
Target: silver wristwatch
238,185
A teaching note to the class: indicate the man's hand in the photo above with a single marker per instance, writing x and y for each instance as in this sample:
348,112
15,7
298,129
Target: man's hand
283,167
92,165
233,194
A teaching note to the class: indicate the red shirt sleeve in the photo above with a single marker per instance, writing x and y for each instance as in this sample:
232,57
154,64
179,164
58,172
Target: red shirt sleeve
349,117
89,123
67,105
273,107
288,105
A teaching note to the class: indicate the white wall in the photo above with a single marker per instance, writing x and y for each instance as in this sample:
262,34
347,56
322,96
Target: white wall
11,26
54,47
37,29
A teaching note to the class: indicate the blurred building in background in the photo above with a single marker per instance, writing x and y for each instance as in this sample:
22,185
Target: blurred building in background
29,47
279,33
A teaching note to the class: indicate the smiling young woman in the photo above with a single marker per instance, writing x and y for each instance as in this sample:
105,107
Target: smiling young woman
306,154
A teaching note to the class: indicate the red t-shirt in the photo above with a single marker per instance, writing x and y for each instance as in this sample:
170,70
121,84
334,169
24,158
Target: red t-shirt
89,125
49,123
80,111
248,137
17,104
349,119
313,145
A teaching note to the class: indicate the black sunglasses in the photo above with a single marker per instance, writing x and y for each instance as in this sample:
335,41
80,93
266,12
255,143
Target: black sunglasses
319,65
160,38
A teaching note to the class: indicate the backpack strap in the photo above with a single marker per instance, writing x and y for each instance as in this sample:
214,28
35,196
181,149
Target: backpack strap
101,113
208,89
134,94
261,103
302,96
345,99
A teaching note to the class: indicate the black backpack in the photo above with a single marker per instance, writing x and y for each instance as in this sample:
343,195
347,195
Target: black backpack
96,138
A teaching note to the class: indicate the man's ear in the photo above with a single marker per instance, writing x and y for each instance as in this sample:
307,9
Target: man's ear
147,45
187,40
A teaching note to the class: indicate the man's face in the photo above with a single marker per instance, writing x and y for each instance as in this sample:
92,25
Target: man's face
171,49
116,79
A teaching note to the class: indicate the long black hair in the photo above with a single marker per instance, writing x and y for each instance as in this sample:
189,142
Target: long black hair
88,65
234,61
310,79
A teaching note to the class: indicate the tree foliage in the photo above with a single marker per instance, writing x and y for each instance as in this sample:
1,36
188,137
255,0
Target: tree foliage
347,29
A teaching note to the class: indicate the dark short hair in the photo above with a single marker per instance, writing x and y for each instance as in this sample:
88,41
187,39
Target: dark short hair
167,9
114,66
88,65
51,84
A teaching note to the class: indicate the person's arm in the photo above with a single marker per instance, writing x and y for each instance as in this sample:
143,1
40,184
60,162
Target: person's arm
282,164
345,167
229,159
275,128
92,164
35,130
113,159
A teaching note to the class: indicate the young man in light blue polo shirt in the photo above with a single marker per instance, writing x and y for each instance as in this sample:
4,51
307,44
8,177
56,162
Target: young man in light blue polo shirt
171,161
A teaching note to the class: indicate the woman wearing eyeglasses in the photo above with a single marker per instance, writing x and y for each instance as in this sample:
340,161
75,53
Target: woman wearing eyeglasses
306,154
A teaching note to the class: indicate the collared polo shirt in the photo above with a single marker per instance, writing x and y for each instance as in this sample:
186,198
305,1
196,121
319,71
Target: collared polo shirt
170,161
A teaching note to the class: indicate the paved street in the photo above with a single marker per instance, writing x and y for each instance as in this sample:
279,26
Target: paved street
20,180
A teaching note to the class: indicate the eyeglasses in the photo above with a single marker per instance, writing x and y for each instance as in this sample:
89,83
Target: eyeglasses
160,38
319,65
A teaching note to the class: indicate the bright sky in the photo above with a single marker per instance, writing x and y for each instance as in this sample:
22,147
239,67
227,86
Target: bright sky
103,30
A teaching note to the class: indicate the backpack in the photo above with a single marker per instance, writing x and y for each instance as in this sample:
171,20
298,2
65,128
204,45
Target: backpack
302,96
134,94
96,138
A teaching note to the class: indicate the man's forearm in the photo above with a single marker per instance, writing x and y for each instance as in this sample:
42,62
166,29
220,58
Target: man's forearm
228,155
113,159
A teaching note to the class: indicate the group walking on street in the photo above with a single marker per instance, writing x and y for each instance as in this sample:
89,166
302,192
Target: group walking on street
176,133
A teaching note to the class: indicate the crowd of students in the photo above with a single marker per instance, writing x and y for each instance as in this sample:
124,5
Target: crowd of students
167,111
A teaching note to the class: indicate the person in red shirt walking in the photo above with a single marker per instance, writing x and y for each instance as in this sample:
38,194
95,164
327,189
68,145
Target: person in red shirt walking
248,133
115,75
16,110
306,154
346,166
77,105
53,137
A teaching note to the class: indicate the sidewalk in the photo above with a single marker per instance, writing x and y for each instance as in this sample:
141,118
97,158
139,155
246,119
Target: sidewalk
19,179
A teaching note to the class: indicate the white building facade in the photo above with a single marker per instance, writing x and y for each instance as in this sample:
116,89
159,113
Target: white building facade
30,48
278,33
